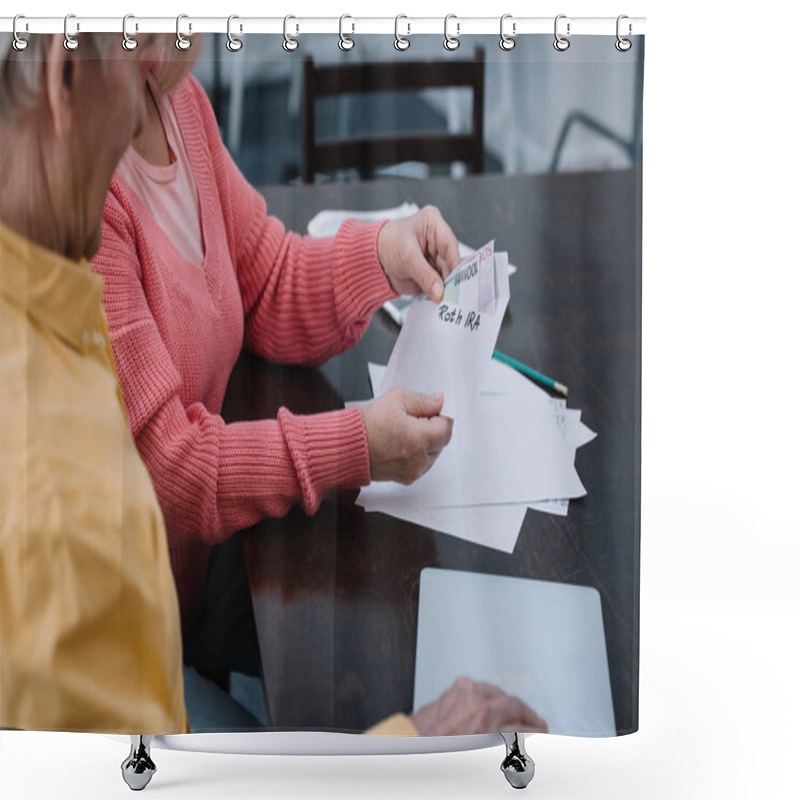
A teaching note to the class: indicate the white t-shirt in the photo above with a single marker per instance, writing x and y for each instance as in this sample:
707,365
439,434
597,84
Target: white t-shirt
169,191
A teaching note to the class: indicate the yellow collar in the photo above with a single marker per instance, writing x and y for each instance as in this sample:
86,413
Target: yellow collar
60,294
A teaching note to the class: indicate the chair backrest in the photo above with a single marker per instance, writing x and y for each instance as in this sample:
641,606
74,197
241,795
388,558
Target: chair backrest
366,154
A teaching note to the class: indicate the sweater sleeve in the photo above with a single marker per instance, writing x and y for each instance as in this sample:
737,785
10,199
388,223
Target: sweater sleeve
212,478
304,299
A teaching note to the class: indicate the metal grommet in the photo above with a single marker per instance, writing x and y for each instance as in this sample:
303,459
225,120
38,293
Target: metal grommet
345,42
623,45
233,44
561,43
451,42
181,41
19,43
128,42
289,44
400,42
70,42
506,42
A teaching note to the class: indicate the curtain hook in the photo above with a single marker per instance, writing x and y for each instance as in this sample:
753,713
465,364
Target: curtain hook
623,45
451,42
19,43
561,43
181,41
400,42
345,42
289,44
233,44
128,42
507,42
70,42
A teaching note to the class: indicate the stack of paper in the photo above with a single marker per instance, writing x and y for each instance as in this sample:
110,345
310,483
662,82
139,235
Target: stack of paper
513,446
516,452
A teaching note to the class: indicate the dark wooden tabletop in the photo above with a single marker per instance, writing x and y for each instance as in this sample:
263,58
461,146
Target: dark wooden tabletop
336,595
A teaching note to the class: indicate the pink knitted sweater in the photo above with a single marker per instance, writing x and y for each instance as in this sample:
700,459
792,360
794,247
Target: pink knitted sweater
177,330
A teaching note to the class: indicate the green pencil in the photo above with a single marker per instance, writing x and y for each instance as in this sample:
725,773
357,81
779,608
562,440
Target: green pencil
531,373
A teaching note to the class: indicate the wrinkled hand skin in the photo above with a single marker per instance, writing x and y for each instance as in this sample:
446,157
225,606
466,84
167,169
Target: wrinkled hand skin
405,434
469,707
417,253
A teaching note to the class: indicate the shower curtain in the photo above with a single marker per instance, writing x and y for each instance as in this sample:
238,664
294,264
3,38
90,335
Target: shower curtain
354,443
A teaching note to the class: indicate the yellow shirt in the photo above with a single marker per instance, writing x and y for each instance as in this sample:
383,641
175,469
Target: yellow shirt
396,725
89,623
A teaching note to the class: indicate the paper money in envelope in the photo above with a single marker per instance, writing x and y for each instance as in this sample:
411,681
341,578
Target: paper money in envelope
448,347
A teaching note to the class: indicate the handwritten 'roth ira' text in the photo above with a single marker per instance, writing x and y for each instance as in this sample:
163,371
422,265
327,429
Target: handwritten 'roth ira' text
455,316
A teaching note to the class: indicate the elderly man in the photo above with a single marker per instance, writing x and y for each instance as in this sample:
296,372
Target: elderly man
89,623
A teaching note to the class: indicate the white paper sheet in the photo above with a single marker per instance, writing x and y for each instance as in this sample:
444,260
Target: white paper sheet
504,379
492,525
495,526
468,625
558,506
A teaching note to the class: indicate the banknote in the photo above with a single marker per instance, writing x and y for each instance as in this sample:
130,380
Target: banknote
472,284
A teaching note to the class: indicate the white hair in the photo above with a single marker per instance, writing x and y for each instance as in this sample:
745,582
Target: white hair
21,71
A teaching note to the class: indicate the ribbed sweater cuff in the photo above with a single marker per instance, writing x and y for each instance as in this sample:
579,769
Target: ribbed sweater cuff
361,284
329,450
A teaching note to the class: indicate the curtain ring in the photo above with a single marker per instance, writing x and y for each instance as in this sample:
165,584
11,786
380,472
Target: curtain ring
19,43
451,42
233,44
561,43
70,42
345,42
181,41
289,44
623,45
400,42
128,42
507,42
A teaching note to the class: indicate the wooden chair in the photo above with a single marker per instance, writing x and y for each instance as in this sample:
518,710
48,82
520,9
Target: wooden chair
367,154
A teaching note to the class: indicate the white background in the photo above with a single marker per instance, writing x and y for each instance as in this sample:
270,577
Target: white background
720,612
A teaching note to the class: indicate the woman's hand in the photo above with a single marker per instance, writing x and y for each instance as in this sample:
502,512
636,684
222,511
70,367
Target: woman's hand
418,252
405,434
471,707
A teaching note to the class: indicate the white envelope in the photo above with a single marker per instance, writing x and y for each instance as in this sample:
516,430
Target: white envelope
447,348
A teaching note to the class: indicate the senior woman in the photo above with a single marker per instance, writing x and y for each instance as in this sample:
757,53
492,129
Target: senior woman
89,618
193,265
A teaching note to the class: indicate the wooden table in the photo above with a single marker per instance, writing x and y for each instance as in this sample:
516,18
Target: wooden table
336,596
